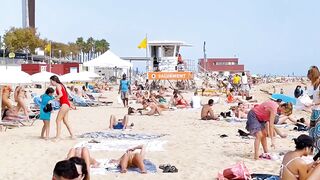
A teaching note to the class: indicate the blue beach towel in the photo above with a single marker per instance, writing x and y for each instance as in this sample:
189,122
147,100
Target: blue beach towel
264,177
106,167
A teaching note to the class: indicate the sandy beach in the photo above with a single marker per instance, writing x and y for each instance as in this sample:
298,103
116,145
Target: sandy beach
193,146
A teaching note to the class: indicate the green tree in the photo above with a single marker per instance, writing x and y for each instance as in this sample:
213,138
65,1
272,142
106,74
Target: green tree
81,43
101,46
21,39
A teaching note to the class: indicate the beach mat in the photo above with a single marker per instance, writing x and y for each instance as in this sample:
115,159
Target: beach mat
122,145
235,119
106,167
264,177
119,135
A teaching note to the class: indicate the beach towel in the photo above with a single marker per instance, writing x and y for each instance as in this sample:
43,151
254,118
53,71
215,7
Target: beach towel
122,145
107,167
235,119
119,135
264,177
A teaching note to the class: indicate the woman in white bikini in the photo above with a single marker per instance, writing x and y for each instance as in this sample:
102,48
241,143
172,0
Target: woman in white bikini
294,167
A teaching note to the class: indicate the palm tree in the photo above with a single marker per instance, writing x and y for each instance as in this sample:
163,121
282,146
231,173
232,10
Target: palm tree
101,46
81,45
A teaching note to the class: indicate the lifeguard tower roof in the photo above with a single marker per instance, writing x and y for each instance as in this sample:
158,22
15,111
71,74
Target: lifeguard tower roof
165,42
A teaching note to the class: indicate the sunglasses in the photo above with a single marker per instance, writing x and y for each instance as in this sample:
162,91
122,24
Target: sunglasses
313,67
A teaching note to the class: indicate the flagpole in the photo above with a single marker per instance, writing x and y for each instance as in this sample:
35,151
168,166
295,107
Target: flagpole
147,54
50,56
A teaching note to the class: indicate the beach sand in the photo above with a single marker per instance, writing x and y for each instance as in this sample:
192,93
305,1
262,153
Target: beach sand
193,146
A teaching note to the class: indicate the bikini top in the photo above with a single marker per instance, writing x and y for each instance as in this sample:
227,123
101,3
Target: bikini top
286,166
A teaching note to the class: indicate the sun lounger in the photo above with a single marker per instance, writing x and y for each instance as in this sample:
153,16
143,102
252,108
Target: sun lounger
7,124
98,100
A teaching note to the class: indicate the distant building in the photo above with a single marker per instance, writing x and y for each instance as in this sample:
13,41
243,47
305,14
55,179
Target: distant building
221,65
28,13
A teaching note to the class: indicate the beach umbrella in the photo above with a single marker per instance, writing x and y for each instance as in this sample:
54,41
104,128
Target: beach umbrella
108,59
43,76
14,77
74,77
89,74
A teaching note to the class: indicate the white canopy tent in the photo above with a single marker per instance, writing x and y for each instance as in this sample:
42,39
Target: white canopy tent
89,74
108,59
43,77
74,77
14,77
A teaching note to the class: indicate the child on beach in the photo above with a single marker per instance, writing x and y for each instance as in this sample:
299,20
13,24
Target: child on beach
45,113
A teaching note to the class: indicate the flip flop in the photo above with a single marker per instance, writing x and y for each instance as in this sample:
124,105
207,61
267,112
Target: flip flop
163,166
223,135
173,169
166,169
242,133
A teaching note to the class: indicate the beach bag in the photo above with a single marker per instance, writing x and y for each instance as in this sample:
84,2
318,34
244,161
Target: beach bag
235,172
48,108
119,100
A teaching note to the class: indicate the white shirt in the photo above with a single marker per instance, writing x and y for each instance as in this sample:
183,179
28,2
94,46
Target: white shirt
196,102
244,79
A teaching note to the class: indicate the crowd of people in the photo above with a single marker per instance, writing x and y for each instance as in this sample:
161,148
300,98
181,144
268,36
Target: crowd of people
235,91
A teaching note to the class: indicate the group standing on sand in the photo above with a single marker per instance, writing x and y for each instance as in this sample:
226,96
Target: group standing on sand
46,108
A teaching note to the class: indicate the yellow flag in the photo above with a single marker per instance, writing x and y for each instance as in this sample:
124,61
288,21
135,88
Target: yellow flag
48,48
143,44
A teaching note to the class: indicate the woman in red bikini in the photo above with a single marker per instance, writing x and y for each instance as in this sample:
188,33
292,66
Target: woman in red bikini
62,96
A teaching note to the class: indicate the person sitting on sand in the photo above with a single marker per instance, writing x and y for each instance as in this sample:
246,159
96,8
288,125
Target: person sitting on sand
179,101
159,101
256,123
195,101
132,159
231,98
294,167
207,111
241,112
153,108
118,124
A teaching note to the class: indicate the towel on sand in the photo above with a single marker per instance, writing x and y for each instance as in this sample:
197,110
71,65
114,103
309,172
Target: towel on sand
119,135
106,167
264,177
122,145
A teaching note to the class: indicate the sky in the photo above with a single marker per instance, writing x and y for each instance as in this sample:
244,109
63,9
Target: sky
268,36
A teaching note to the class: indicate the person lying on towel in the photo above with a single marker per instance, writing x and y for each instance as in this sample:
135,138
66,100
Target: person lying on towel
132,159
118,124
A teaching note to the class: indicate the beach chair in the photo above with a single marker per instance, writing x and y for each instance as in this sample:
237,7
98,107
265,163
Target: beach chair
7,125
97,100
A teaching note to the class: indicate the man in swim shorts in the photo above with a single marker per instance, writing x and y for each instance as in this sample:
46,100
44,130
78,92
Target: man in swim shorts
207,111
118,124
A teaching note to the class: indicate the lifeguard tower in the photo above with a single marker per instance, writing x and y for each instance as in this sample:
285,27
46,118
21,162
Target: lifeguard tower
166,61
